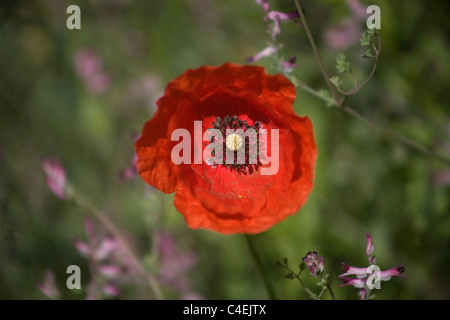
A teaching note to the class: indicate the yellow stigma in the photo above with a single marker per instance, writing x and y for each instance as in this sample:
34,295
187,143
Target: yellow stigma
234,141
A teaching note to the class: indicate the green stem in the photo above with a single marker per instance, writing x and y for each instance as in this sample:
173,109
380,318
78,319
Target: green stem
260,267
321,292
403,139
316,52
312,295
331,292
406,141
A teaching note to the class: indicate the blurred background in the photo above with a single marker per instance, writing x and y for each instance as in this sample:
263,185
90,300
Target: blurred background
82,96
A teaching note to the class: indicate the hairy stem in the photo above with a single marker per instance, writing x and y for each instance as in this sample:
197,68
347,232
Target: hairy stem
316,52
312,295
331,292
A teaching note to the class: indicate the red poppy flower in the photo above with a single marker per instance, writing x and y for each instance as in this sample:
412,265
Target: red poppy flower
230,198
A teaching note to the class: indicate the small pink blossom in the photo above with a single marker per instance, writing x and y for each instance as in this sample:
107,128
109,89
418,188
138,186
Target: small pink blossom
282,16
175,265
394,272
109,270
359,11
56,176
106,253
264,4
130,172
347,32
363,274
313,263
441,178
111,290
289,65
108,247
363,293
369,248
277,17
349,270
48,287
192,296
88,66
343,35
82,248
356,282
109,263
96,291
267,52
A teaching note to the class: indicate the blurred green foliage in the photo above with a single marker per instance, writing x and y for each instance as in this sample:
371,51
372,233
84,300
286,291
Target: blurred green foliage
365,181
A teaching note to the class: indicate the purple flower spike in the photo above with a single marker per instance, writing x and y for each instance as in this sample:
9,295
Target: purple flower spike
363,276
357,8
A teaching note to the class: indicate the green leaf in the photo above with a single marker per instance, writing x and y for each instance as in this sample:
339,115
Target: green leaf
290,276
371,32
336,81
324,279
285,260
279,264
368,54
365,39
342,64
302,265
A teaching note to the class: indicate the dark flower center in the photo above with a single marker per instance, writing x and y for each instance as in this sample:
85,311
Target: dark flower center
241,142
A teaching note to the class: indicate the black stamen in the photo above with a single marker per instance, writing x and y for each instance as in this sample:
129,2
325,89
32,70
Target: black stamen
235,123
